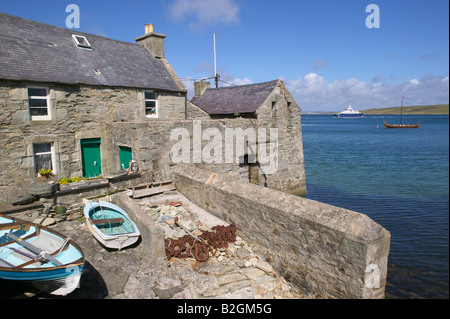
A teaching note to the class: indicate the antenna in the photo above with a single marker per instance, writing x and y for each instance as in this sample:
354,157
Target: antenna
216,76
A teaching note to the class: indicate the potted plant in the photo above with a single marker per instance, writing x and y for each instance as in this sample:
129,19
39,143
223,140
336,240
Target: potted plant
45,172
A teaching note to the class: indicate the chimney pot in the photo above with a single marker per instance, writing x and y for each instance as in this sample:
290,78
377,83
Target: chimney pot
148,28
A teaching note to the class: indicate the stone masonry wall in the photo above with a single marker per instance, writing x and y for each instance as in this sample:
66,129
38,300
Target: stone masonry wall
279,111
282,112
77,112
327,251
151,145
117,117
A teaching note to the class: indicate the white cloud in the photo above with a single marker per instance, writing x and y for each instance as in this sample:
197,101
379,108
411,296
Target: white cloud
313,93
205,12
238,81
228,80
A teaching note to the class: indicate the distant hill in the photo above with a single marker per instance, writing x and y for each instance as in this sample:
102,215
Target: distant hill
421,109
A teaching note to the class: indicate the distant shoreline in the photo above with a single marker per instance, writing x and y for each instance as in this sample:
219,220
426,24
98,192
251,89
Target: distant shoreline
407,110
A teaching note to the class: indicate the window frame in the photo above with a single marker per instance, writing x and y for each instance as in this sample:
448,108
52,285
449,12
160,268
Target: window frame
79,44
37,97
156,115
51,153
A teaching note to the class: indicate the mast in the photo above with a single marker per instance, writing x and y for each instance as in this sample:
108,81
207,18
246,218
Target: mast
215,67
401,112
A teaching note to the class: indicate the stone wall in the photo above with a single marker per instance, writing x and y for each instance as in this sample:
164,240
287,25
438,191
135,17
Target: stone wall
117,117
151,144
326,251
152,235
77,112
280,111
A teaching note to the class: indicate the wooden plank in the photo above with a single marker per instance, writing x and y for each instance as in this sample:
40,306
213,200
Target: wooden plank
138,193
16,225
151,185
106,221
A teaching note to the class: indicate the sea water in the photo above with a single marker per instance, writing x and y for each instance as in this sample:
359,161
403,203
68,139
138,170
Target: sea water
399,178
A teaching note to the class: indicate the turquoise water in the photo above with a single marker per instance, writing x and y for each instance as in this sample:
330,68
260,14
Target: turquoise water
399,178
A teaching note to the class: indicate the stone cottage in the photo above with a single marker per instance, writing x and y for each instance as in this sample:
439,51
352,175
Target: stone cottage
85,105
266,105
58,90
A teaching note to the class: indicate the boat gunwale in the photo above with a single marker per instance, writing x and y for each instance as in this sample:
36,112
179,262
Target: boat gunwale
76,263
386,125
92,205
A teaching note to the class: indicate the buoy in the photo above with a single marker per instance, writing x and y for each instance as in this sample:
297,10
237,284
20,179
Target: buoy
377,126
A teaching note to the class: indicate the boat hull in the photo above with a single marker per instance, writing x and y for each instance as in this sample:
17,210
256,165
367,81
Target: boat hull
386,125
18,263
58,282
111,235
349,115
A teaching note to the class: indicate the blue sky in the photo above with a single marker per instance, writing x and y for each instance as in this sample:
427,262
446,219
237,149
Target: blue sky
321,49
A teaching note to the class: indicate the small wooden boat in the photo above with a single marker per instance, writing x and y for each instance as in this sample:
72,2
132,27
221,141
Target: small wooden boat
401,125
110,225
39,256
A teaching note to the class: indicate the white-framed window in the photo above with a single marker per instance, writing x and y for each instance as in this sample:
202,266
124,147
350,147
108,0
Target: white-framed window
38,103
44,156
151,104
81,41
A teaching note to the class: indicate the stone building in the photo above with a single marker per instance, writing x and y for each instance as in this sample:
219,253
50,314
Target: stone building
266,105
59,88
84,105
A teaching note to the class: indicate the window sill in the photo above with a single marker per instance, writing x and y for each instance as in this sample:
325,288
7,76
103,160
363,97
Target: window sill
40,119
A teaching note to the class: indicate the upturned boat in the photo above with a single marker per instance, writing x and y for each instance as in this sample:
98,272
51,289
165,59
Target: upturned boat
110,225
39,256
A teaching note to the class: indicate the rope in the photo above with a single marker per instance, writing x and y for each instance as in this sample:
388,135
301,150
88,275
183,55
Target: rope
63,245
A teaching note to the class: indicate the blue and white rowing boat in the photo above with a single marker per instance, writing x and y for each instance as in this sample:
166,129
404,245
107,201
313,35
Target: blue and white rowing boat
110,225
39,256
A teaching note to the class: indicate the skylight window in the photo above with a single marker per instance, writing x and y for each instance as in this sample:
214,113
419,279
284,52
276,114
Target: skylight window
81,41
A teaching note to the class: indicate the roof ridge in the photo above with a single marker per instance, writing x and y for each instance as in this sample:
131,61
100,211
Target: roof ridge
244,85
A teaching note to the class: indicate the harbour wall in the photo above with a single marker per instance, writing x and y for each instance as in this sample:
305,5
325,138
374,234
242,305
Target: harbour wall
326,251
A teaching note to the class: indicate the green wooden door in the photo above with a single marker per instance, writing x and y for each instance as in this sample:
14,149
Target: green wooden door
90,152
125,157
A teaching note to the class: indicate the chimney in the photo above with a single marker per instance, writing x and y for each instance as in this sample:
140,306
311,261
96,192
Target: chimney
200,87
148,28
152,41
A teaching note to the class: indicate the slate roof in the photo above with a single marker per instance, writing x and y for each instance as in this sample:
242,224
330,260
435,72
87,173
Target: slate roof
234,99
35,51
